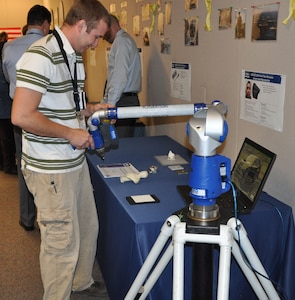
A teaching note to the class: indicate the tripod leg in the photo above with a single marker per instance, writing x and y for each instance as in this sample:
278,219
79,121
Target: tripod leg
178,261
166,232
252,279
154,276
254,261
226,240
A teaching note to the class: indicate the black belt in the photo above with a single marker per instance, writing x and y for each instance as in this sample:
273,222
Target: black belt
129,94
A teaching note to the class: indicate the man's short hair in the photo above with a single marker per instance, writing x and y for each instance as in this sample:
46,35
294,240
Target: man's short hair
3,36
37,15
114,19
91,11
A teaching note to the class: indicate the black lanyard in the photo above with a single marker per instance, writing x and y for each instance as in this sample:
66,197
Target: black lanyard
74,80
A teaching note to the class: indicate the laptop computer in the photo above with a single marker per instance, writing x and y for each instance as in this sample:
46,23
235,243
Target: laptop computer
248,175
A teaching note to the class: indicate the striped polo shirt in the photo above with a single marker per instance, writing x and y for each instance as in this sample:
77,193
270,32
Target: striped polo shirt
42,68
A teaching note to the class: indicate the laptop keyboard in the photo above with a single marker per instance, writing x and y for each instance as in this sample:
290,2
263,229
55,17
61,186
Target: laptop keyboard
226,201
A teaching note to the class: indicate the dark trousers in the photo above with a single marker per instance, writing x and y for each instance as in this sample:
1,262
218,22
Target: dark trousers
26,199
126,127
7,145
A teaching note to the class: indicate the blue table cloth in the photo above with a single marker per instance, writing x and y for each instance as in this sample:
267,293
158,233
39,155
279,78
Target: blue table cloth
128,232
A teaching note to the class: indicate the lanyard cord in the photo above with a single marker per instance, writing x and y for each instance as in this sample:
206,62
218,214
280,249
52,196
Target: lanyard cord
74,80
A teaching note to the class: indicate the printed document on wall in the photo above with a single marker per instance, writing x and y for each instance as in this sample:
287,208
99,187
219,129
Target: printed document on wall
262,99
180,81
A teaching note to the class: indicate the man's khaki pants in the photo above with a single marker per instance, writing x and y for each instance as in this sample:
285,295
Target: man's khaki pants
67,217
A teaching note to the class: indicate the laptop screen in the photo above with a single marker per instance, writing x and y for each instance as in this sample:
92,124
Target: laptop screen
251,168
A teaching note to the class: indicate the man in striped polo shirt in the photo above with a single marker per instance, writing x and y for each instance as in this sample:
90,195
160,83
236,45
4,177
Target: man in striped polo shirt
47,106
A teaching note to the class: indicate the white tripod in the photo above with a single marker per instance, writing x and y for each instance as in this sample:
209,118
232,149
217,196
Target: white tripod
206,130
227,240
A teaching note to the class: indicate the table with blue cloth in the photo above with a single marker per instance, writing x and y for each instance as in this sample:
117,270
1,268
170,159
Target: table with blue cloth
128,232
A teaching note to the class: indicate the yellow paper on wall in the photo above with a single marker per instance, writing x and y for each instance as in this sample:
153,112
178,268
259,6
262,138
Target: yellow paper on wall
291,12
207,25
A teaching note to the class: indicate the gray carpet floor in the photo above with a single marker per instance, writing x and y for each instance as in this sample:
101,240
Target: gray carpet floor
19,250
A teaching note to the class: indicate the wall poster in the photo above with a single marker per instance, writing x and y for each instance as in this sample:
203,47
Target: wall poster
180,81
262,99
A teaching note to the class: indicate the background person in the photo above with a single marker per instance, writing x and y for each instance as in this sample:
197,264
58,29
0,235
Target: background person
38,25
3,37
24,29
54,143
7,145
123,75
